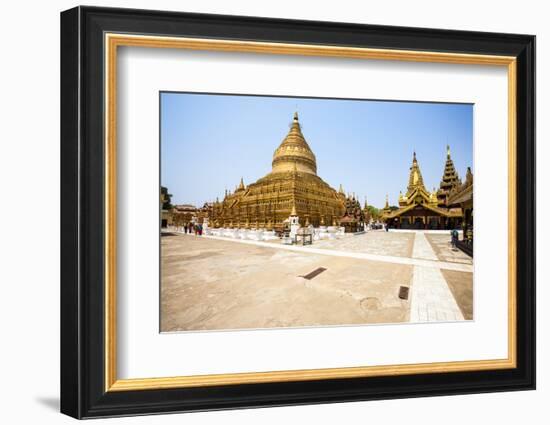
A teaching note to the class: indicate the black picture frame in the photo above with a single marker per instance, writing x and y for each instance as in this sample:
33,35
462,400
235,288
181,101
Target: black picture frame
83,392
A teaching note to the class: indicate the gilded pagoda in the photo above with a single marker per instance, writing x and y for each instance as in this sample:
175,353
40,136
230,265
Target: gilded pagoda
421,209
292,186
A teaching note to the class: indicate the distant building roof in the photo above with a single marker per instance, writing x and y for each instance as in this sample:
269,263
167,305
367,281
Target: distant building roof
185,207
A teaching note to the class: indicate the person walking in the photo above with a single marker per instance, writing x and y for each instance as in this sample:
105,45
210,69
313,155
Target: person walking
454,237
185,228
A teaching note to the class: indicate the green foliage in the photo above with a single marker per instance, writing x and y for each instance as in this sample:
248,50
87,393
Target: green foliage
373,212
166,197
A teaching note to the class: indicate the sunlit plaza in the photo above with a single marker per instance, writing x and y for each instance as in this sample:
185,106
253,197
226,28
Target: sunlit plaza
214,282
262,233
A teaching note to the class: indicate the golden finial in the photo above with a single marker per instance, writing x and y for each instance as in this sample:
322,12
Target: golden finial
448,151
387,201
293,212
296,116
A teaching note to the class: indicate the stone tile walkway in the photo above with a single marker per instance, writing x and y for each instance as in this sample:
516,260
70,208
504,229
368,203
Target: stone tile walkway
373,242
431,262
431,299
441,244
422,248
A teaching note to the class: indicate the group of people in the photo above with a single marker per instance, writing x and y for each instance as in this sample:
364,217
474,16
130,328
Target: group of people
193,228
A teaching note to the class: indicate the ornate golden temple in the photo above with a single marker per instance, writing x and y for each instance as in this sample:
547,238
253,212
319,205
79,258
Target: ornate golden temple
422,209
292,187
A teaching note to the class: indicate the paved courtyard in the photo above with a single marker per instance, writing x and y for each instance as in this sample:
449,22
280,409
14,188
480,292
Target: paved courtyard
379,243
214,283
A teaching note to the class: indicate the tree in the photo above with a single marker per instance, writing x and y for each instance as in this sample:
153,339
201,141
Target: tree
374,212
166,198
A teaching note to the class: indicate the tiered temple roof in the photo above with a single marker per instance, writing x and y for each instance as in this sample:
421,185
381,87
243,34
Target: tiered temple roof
416,182
419,203
449,181
463,193
463,196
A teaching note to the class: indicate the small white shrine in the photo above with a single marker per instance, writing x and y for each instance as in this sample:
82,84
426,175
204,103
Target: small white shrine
294,222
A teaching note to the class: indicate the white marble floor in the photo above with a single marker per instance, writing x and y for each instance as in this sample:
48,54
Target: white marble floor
430,297
422,248
431,262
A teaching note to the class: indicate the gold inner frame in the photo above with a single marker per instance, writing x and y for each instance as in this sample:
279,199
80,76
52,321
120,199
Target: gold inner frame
113,41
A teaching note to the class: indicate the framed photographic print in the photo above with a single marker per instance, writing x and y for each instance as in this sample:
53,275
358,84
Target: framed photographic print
261,212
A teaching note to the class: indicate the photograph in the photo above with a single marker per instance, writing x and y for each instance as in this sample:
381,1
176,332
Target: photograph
292,212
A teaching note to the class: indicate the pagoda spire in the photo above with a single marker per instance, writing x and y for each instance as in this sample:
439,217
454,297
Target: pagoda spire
293,212
294,150
469,176
449,181
415,177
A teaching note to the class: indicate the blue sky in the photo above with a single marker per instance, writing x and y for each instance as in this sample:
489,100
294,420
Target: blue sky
208,142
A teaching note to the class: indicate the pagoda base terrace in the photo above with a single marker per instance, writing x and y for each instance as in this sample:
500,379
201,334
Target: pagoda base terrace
261,234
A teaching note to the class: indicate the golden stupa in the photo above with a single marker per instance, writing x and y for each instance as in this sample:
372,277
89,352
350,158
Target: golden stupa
292,187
